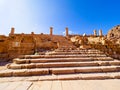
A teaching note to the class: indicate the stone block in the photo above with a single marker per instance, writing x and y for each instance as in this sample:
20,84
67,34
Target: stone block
38,71
62,71
6,73
19,72
87,70
115,63
14,66
39,65
19,61
109,69
30,66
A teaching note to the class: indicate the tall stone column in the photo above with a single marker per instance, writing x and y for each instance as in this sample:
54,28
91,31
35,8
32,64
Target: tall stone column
95,33
51,31
12,30
100,33
66,31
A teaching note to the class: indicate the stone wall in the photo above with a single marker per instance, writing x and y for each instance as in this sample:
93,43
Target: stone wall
23,44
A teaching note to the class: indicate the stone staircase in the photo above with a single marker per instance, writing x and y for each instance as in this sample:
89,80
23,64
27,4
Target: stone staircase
65,64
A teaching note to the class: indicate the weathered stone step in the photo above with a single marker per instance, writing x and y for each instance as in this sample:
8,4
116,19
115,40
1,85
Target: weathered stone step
72,70
77,76
61,56
24,72
44,60
71,53
81,50
46,71
62,64
84,76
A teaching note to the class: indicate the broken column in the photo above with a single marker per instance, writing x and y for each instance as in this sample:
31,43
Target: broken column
51,30
100,33
66,31
12,31
32,33
95,33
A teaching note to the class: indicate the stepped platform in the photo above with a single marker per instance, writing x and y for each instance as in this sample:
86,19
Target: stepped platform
64,65
65,59
61,56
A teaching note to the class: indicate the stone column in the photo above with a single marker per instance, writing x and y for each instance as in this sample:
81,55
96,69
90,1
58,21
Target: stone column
100,33
51,31
66,31
12,30
95,33
32,33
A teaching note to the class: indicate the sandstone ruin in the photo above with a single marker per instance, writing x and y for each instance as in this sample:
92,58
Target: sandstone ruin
47,54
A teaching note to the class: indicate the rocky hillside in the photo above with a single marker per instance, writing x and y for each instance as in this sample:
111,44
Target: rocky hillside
114,34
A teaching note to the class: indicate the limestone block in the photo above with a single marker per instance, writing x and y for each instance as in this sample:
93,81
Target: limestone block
39,65
29,66
14,66
19,72
109,69
88,70
115,63
6,73
38,71
19,61
102,63
99,77
62,71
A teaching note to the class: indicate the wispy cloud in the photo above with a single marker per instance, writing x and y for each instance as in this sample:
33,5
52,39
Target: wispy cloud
70,32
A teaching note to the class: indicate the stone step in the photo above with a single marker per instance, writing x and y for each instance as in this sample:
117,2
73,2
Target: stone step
24,72
81,50
72,70
63,64
83,76
61,56
56,71
44,60
77,76
72,53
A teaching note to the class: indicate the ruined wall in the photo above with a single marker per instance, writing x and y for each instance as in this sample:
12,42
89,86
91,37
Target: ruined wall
4,48
23,44
114,34
20,44
109,47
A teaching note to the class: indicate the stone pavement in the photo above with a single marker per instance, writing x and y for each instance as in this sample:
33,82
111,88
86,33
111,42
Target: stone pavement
111,84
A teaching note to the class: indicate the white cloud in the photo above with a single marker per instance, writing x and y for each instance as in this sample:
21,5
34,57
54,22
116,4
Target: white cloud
70,32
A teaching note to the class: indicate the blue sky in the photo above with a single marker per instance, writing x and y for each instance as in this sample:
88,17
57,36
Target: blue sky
80,16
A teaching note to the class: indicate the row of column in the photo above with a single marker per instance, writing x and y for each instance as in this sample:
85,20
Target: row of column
100,33
67,32
66,29
51,31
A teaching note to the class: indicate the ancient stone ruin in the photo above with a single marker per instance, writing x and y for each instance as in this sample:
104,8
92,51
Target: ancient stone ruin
58,57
